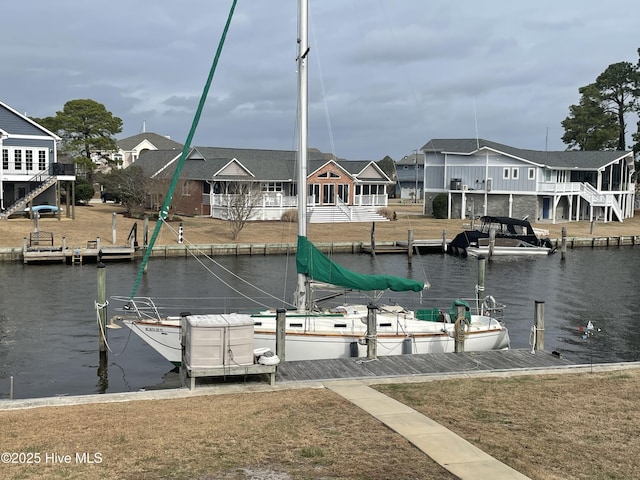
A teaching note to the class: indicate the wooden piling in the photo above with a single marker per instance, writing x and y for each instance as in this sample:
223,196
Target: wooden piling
410,247
460,323
444,241
539,325
482,267
563,244
492,242
281,333
372,332
101,306
373,238
11,387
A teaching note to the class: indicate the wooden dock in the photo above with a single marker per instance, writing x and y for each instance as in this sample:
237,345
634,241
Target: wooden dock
414,365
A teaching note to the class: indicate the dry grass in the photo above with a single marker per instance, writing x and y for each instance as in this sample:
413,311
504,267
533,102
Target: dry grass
561,427
569,426
302,434
95,220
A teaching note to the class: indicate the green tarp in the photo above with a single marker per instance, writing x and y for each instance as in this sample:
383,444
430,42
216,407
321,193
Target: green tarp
312,262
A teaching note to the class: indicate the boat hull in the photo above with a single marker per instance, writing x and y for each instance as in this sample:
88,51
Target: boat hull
327,338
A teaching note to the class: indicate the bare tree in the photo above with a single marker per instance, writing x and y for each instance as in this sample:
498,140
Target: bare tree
242,201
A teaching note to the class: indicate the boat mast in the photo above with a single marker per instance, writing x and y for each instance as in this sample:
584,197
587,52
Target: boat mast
302,292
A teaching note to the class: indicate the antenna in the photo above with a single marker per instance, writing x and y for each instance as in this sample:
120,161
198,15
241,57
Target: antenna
475,116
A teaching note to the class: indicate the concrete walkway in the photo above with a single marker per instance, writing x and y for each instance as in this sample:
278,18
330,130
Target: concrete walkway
452,452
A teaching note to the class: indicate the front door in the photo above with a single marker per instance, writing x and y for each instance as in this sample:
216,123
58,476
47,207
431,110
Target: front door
328,194
546,207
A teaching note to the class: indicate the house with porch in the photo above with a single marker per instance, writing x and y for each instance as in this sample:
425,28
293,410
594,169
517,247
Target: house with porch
30,172
481,177
214,180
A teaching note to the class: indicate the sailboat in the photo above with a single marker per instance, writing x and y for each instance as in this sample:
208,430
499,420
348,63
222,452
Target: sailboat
348,330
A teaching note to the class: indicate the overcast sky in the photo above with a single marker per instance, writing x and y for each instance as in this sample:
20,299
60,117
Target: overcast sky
385,76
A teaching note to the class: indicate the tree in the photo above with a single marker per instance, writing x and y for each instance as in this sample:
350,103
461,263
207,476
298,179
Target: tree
589,126
599,121
84,190
388,166
130,186
242,201
86,129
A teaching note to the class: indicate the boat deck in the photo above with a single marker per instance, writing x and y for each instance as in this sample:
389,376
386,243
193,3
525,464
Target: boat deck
409,365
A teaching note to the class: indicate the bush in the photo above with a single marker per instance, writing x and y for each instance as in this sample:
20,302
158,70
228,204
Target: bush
388,213
439,206
290,216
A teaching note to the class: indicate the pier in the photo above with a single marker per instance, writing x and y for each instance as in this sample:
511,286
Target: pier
40,249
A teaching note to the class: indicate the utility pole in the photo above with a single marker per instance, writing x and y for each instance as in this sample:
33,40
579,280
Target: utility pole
415,197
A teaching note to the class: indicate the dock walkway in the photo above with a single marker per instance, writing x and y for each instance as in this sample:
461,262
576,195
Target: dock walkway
392,366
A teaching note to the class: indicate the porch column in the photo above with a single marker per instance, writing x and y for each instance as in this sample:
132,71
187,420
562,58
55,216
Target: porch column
2,138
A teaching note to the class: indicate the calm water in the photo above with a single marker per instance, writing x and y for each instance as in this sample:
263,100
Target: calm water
48,329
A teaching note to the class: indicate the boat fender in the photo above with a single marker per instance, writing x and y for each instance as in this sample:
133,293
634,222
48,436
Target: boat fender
268,358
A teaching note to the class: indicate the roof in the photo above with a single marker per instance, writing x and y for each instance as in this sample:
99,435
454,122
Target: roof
158,141
203,163
558,159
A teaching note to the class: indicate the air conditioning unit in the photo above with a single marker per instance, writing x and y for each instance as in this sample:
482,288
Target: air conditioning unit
465,187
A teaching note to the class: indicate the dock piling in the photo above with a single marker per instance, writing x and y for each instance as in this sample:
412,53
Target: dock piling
410,247
372,332
538,343
563,244
281,332
101,306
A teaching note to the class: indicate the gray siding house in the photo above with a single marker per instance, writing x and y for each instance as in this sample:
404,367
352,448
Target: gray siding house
481,177
29,170
410,175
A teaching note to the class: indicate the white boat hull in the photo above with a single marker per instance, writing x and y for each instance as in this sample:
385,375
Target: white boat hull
508,251
329,337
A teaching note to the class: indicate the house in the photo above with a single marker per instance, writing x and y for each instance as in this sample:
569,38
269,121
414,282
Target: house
30,171
130,148
214,180
410,174
480,177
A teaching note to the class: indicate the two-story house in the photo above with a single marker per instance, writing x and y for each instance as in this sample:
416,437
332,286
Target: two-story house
338,190
30,171
409,175
481,177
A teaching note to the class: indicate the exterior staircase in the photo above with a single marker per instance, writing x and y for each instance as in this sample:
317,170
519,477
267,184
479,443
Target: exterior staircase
342,213
600,199
38,184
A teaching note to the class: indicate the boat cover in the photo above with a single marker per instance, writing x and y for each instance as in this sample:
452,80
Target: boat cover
320,268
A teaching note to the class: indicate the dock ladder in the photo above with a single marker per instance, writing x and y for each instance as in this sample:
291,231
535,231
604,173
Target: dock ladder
77,256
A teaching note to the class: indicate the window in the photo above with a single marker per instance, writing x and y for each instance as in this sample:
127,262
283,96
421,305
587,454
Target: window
42,160
272,187
185,189
505,173
514,173
28,159
532,174
5,159
343,192
547,175
329,175
17,158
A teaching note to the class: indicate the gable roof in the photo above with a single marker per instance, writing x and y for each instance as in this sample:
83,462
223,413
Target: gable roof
15,123
158,141
203,163
573,159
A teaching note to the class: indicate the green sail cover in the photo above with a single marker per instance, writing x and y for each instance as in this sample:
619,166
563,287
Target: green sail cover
312,262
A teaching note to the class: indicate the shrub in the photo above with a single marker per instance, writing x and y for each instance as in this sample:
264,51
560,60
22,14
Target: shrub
290,216
439,206
388,213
